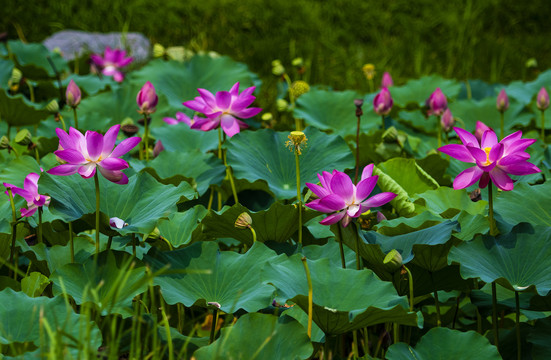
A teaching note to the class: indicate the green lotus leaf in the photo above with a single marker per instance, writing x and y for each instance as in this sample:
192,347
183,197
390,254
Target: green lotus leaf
444,343
181,138
199,169
21,321
201,274
262,155
18,111
372,303
418,91
402,204
539,338
179,81
402,225
517,260
110,284
15,171
140,203
335,111
435,165
531,204
33,60
524,92
330,251
421,124
448,202
410,176
34,284
90,84
6,67
302,317
471,111
278,223
267,337
179,227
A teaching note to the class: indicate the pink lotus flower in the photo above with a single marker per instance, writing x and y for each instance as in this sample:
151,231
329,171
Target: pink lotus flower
437,103
30,193
543,99
73,94
502,102
494,160
83,153
344,200
382,103
447,121
147,99
112,62
386,82
223,109
181,117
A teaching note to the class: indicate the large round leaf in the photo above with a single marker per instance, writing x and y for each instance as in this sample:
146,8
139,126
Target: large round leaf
179,81
335,111
524,92
18,111
260,336
374,302
180,137
444,343
418,91
201,274
179,227
262,155
110,283
140,203
531,204
33,59
518,260
21,320
410,176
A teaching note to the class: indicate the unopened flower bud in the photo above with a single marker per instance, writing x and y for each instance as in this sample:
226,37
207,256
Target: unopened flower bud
282,105
158,148
447,121
4,142
543,99
386,82
243,221
369,71
23,137
299,88
382,103
394,259
480,129
147,99
155,234
277,68
73,94
53,107
297,141
158,50
502,102
437,102
117,223
15,79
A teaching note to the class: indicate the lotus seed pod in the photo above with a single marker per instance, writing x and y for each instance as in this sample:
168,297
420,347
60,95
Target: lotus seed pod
158,50
297,141
282,105
243,221
299,88
393,259
23,137
4,143
53,107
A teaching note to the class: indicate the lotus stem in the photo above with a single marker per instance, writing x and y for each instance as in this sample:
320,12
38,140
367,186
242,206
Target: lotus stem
211,198
254,234
310,296
76,119
71,242
396,333
355,349
543,126
146,137
96,181
299,197
383,122
341,248
494,315
13,231
493,230
372,88
502,124
109,242
230,176
62,123
437,303
134,244
357,151
358,258
439,127
410,281
40,225
517,301
31,90
213,325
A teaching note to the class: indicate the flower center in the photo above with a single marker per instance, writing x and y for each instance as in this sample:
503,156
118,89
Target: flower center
487,151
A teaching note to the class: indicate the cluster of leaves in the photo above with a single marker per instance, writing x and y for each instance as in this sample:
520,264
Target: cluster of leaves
178,271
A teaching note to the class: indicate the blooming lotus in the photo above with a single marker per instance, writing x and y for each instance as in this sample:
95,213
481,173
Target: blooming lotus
382,103
223,109
437,103
147,99
112,62
82,154
30,193
73,94
344,200
494,160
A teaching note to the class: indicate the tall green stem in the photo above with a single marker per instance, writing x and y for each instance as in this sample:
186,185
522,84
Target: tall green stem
502,124
96,181
71,242
358,258
543,126
439,127
146,137
494,315
358,150
299,197
40,225
230,176
517,301
213,325
410,281
310,296
383,122
437,303
14,229
76,119
341,248
493,230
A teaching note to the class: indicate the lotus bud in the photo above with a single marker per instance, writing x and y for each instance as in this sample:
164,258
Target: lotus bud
437,102
359,103
394,259
543,99
155,234
158,148
277,68
386,82
480,129
243,221
53,107
282,105
382,103
502,102
390,135
117,223
23,137
147,99
15,79
267,116
158,50
4,143
297,141
299,88
73,94
369,71
298,62
447,121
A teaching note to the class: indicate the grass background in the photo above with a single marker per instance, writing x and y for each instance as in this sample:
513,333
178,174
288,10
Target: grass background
486,39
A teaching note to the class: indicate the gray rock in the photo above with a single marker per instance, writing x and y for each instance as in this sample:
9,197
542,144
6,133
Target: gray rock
72,42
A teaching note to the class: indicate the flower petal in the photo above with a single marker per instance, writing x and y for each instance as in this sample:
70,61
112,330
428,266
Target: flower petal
109,140
378,200
365,187
333,202
459,152
489,139
113,163
367,171
466,137
94,144
223,100
87,170
342,186
501,179
125,146
467,177
248,113
315,205
208,98
333,218
229,125
65,169
318,190
71,156
116,176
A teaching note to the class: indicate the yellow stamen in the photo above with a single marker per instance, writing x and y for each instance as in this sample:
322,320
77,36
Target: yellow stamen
487,150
